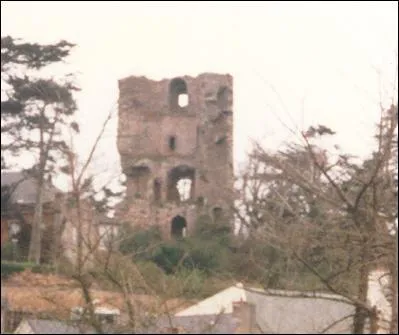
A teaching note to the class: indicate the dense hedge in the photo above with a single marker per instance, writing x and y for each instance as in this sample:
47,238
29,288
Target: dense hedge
207,251
8,268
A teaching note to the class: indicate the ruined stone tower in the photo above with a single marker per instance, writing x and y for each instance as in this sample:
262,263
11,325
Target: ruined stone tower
175,139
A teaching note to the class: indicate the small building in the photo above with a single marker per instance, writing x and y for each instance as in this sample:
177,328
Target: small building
18,193
278,311
37,326
60,218
105,315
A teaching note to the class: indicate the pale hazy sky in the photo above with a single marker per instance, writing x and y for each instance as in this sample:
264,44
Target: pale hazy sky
294,63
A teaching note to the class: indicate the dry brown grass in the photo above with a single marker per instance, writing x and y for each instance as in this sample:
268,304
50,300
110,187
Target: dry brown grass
56,295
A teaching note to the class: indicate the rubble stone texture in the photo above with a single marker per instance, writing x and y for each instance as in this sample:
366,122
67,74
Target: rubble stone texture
172,133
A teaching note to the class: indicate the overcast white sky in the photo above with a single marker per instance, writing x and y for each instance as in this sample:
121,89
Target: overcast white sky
294,63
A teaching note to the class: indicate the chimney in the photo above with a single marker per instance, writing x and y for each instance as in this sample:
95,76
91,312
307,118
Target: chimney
245,314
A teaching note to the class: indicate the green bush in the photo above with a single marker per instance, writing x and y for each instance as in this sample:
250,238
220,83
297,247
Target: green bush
139,243
8,268
152,274
203,255
190,254
190,282
7,251
207,251
11,252
168,256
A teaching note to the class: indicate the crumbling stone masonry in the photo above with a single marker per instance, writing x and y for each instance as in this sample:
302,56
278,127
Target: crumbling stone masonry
175,139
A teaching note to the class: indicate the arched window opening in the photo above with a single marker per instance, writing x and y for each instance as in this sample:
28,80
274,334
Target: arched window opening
178,94
225,99
178,227
181,184
157,191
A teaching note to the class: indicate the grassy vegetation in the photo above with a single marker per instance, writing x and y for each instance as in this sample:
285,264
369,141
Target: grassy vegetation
194,267
8,268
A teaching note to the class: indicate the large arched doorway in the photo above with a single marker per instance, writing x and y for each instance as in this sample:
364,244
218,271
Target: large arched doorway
178,227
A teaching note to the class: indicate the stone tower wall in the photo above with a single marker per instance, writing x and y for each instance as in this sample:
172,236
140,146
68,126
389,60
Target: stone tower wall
160,142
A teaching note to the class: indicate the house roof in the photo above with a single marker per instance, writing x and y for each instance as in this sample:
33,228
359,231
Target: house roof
282,312
26,188
221,302
195,324
301,315
52,327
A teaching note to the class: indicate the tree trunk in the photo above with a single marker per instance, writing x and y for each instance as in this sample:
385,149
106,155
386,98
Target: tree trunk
36,237
80,235
37,224
360,312
56,245
374,321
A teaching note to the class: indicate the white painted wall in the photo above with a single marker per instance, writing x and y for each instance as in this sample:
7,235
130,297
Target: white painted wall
221,302
378,284
314,309
24,328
